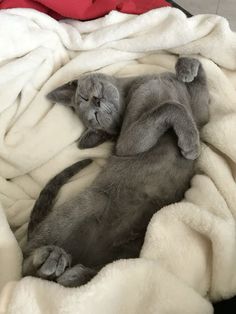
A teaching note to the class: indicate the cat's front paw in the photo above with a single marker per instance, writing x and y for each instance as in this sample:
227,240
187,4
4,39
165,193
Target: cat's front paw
191,153
187,69
189,144
91,138
50,261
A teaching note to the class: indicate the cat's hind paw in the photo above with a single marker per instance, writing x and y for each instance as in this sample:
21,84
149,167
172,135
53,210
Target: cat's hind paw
76,276
50,261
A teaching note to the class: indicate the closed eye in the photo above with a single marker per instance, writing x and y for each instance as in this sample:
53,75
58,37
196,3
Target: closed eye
84,98
96,117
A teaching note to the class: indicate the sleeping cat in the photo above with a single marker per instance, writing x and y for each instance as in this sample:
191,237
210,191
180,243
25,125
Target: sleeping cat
151,166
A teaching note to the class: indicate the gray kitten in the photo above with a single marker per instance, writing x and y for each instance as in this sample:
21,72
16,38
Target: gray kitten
151,166
99,102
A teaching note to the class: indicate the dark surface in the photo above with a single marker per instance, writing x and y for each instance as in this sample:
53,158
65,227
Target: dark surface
175,5
226,307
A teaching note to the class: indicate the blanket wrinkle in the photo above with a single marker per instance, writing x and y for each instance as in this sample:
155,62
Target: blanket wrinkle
188,257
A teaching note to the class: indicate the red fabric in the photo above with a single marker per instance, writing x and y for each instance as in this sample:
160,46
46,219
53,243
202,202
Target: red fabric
84,9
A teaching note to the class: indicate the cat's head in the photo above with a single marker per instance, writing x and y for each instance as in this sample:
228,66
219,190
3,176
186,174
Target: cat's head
96,100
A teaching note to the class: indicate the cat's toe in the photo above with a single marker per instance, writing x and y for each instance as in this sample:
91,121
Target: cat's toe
187,69
51,261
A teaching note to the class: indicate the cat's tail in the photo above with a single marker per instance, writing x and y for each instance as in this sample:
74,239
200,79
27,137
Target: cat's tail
47,197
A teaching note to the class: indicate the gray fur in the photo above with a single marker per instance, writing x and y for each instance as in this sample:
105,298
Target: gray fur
98,100
50,191
146,171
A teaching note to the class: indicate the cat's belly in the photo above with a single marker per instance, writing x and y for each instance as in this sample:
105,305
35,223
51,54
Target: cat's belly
160,173
109,220
116,234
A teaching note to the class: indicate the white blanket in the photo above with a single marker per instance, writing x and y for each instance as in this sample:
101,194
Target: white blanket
189,255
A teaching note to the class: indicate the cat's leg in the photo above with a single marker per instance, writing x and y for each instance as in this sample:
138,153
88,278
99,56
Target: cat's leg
145,132
48,262
76,276
191,72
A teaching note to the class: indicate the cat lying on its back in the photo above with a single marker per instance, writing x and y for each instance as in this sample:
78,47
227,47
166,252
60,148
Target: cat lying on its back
151,166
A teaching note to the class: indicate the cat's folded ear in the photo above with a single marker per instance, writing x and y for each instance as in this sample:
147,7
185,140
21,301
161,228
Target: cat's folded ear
64,93
91,138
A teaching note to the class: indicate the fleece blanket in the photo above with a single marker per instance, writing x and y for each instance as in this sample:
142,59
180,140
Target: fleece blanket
189,255
86,9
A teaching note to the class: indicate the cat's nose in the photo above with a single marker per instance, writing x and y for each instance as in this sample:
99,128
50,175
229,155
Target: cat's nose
96,102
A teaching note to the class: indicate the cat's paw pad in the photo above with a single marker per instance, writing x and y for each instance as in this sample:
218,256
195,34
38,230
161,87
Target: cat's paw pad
187,69
51,261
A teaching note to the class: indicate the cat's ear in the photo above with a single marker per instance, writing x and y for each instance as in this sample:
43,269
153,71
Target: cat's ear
64,93
91,138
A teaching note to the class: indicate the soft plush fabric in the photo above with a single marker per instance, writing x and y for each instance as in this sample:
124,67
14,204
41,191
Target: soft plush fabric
85,9
189,255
